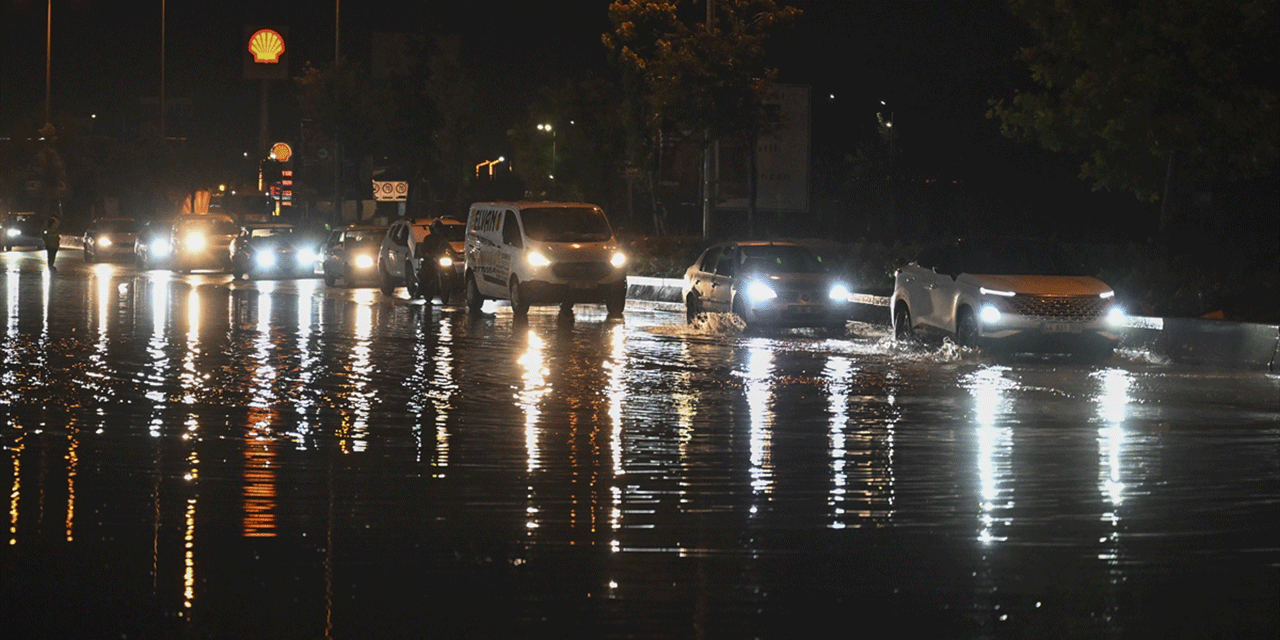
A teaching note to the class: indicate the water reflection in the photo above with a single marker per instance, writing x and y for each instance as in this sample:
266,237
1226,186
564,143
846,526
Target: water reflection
988,386
759,389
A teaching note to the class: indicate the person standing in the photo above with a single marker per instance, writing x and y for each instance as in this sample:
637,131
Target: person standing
52,239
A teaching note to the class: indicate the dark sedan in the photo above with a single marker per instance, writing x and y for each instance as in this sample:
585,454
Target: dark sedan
20,229
110,239
773,284
272,250
351,255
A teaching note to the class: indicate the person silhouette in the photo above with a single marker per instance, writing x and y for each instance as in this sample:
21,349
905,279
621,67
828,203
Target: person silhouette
52,240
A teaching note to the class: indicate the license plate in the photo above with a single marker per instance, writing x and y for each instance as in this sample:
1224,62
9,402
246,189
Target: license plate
1061,327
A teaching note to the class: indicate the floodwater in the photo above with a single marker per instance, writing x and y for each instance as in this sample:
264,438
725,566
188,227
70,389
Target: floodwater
189,456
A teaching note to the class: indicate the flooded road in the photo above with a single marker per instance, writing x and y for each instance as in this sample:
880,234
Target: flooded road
189,456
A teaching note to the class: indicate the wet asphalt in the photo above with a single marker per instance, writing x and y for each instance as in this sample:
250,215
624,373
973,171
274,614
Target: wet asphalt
191,456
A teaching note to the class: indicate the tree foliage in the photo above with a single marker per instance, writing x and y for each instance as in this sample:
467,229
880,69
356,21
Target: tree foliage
701,79
1147,91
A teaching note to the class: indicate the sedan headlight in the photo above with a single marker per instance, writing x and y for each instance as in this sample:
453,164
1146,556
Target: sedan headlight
11,232
537,259
195,241
160,248
446,262
306,257
265,259
758,291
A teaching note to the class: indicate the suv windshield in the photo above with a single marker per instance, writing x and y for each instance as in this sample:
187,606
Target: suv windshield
566,224
780,259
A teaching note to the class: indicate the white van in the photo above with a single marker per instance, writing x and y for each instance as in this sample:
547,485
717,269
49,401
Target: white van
543,253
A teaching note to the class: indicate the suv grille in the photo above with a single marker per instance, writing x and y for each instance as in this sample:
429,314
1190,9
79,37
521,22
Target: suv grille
581,270
1059,307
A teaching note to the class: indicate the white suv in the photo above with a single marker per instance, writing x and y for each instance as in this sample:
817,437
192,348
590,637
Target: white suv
1007,295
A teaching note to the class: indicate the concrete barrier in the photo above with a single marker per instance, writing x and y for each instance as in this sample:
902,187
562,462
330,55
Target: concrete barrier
1194,341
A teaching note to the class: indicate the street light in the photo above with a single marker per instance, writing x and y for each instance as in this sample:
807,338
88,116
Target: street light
548,128
489,163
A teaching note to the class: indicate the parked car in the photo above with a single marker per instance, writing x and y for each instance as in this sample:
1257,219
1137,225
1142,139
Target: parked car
202,241
272,250
767,284
399,262
20,229
350,254
152,244
1006,295
110,239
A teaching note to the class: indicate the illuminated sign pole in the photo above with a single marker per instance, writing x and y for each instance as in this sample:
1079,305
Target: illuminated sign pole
265,58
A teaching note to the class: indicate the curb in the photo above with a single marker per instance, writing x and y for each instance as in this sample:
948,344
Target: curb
1222,343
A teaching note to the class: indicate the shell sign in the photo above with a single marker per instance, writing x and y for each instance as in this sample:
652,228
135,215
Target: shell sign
265,52
267,46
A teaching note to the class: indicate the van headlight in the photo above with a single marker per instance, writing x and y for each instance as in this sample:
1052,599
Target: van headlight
537,259
758,291
618,259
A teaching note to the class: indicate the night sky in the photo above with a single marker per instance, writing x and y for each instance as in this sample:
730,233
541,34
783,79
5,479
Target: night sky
935,63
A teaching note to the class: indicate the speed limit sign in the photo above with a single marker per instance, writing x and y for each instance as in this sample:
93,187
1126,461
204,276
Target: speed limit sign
388,190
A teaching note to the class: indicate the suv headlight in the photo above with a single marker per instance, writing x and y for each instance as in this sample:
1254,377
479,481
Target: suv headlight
618,259
839,293
989,314
1115,315
160,248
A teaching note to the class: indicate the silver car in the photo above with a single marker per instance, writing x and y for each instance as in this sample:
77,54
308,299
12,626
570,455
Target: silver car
1005,295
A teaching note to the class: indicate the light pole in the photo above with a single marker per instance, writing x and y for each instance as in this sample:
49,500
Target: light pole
548,129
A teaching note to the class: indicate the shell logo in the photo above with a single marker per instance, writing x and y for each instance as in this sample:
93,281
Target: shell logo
281,152
266,46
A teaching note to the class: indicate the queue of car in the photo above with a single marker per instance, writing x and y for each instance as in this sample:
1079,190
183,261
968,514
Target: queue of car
1002,295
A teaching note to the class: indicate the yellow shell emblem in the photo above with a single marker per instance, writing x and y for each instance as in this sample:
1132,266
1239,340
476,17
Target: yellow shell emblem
266,46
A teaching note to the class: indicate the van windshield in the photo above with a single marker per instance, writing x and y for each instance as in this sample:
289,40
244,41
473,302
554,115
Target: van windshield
566,224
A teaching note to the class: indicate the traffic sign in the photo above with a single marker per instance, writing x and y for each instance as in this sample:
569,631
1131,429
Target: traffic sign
390,190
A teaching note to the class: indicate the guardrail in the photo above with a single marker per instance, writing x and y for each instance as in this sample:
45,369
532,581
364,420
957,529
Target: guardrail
1197,341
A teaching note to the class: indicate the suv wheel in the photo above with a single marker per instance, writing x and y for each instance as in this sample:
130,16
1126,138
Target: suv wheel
901,322
387,285
966,329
